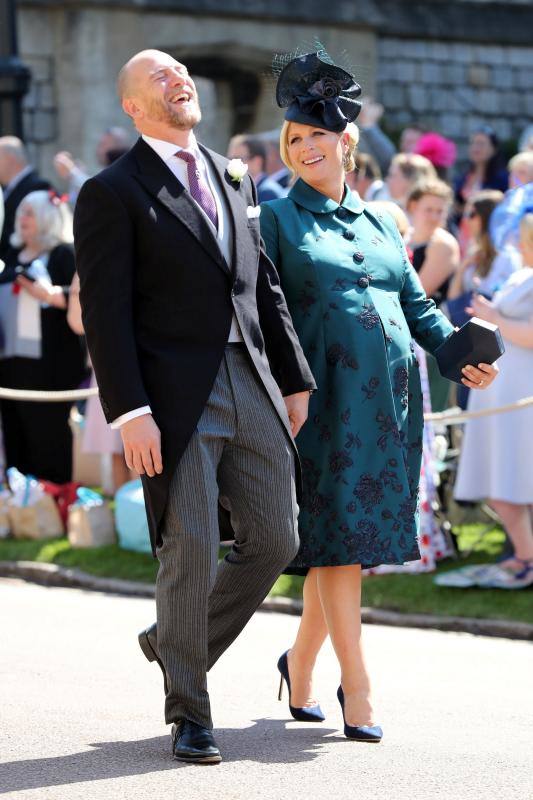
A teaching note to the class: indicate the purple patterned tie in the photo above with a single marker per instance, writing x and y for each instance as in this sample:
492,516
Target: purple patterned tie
198,187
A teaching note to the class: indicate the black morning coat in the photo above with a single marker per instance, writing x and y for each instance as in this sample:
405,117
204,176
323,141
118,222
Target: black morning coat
158,297
32,182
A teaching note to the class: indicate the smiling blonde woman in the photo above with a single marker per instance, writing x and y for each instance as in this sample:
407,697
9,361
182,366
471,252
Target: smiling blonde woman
356,302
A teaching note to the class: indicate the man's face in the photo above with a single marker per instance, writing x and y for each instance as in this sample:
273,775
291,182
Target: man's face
240,150
409,140
165,92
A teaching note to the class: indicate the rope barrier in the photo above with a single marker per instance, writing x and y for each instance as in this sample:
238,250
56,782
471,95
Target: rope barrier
68,396
453,416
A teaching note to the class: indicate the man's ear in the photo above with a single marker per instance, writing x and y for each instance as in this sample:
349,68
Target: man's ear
130,107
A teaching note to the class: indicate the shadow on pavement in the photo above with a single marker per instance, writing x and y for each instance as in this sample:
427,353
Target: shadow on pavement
267,741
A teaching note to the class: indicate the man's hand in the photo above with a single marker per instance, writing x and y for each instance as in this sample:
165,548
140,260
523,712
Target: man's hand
142,445
64,164
297,405
370,114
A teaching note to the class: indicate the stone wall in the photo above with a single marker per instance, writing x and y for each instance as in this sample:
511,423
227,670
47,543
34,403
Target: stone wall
454,87
75,55
407,53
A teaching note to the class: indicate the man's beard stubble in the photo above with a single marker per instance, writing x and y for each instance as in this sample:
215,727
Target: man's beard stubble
181,119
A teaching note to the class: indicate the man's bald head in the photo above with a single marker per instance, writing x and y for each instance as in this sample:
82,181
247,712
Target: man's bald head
15,148
13,158
159,95
134,71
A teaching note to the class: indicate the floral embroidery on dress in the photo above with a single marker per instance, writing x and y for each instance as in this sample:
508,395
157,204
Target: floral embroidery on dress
305,301
341,284
369,492
352,440
370,390
345,416
339,460
368,317
325,434
315,502
388,426
400,385
338,354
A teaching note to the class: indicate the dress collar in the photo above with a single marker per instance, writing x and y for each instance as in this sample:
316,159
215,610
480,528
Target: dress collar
304,195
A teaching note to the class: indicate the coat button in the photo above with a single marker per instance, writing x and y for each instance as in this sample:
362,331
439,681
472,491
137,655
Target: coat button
358,257
350,235
341,213
363,282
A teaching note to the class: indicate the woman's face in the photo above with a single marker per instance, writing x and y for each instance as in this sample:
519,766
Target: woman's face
480,149
27,224
472,220
397,183
316,155
428,213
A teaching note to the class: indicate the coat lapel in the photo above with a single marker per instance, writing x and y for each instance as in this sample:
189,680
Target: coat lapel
159,181
235,199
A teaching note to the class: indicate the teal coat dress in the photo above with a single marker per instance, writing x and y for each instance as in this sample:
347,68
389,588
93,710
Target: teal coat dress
356,303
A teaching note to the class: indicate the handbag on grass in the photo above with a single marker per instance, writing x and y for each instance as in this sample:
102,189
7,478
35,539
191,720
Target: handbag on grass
41,520
476,342
90,520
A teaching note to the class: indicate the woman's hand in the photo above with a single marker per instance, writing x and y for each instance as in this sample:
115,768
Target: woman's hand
479,377
52,295
483,308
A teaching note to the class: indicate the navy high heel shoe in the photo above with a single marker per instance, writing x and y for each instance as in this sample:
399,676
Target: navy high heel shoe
361,733
310,714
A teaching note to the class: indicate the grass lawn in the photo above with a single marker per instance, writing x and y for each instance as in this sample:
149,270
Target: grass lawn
407,593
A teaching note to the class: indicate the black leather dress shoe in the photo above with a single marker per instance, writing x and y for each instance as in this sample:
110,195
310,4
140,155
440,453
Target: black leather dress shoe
193,743
148,643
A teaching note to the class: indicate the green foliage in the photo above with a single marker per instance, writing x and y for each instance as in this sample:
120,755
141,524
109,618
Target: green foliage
401,592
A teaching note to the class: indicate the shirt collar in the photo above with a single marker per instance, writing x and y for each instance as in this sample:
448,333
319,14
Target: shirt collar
304,195
165,150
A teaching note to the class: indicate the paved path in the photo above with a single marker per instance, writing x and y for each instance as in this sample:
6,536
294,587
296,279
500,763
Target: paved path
81,712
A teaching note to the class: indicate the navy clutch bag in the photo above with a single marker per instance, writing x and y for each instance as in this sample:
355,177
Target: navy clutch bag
477,342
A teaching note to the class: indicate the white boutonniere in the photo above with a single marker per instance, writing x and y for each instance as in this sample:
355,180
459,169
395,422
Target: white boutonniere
252,212
236,169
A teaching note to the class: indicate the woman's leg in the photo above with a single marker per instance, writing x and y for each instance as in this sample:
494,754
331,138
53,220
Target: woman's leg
309,639
516,520
339,589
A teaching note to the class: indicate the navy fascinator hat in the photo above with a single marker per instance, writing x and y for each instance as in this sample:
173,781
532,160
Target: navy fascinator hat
318,93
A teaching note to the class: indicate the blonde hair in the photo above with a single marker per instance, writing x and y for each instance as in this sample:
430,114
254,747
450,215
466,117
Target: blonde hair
349,162
414,167
433,188
524,159
526,229
54,220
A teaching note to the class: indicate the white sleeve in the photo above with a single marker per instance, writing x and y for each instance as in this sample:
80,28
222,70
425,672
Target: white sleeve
137,412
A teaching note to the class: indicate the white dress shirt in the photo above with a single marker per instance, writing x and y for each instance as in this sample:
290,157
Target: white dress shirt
167,152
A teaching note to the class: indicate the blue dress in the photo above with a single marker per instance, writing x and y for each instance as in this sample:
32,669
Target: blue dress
356,303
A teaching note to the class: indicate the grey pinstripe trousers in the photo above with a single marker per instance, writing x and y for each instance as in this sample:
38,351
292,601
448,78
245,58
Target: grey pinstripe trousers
241,452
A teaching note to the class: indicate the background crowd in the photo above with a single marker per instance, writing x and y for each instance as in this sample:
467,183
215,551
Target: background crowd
468,231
